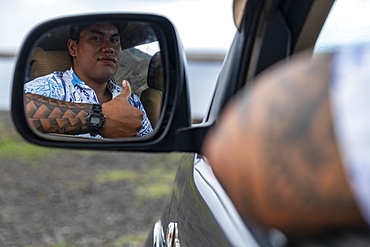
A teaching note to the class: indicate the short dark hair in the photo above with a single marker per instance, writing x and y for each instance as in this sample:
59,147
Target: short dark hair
75,30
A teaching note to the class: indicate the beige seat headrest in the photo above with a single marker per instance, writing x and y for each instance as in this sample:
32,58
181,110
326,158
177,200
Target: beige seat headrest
155,74
45,62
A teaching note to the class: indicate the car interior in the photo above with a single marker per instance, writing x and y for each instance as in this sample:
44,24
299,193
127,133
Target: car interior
51,55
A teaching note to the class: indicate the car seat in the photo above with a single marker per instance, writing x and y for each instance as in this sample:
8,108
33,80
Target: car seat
50,54
151,98
45,62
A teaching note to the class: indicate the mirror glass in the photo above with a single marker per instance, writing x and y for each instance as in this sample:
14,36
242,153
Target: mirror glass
91,62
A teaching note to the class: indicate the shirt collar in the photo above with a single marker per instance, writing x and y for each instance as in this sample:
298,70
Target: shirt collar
77,81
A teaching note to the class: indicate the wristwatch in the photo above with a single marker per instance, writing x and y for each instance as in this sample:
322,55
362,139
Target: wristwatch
95,119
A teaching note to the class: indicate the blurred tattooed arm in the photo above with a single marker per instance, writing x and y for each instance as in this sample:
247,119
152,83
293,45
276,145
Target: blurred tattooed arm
275,153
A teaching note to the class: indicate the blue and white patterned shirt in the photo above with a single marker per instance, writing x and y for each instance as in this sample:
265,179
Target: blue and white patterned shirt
67,86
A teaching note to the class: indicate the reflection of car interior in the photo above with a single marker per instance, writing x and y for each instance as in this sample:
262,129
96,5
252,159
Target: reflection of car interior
152,96
45,62
52,55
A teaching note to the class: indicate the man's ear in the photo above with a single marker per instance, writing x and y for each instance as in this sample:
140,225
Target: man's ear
72,47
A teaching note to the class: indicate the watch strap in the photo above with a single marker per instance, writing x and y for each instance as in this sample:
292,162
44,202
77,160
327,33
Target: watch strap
95,119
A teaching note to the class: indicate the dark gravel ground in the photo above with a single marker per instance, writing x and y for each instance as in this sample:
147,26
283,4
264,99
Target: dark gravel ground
55,197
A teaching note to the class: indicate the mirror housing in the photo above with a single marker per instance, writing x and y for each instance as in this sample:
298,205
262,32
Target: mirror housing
175,112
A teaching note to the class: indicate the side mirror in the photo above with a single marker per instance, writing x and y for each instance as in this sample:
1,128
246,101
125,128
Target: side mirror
142,49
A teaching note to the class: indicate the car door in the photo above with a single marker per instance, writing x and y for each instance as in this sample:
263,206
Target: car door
202,213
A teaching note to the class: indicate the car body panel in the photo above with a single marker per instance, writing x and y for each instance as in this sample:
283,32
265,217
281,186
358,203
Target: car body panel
187,208
222,208
204,214
261,42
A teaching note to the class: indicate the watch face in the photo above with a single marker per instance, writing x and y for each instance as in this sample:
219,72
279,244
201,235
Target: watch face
95,120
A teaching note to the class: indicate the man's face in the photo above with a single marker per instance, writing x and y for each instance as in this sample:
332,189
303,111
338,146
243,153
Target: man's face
97,53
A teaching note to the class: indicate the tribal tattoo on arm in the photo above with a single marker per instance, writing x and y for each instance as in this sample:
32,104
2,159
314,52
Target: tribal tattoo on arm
303,182
50,115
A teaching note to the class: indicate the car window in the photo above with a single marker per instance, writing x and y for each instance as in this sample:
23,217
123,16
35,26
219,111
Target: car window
348,23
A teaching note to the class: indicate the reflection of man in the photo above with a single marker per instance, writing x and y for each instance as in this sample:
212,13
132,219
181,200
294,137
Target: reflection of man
293,152
95,50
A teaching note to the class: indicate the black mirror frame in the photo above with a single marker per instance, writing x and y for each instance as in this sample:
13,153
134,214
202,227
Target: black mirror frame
175,112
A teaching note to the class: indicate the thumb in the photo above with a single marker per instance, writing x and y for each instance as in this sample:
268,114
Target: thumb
126,90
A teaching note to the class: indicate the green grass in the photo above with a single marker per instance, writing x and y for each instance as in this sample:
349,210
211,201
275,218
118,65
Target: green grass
152,182
80,185
116,175
11,148
14,147
61,244
131,240
154,191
